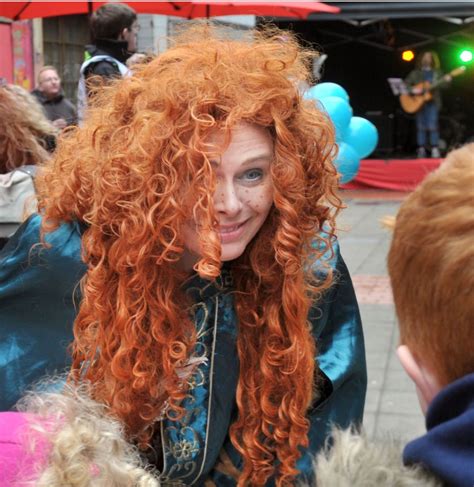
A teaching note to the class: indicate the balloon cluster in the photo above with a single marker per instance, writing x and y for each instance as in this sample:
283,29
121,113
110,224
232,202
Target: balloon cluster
355,136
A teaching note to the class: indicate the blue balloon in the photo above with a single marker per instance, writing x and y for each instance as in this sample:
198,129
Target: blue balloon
340,113
362,135
347,162
322,90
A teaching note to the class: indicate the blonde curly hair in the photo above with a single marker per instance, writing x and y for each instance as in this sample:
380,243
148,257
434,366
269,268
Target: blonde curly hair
86,445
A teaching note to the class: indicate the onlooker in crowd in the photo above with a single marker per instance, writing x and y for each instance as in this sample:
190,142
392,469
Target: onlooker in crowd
49,93
427,77
431,267
67,439
114,28
25,136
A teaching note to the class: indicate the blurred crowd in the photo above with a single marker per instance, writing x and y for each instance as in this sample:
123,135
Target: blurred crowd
31,123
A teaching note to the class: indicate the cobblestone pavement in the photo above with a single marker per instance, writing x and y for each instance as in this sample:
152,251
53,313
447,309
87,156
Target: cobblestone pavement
392,405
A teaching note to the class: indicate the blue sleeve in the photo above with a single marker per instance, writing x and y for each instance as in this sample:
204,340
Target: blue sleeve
337,330
39,294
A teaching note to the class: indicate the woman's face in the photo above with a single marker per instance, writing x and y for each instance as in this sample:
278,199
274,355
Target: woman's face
244,192
427,59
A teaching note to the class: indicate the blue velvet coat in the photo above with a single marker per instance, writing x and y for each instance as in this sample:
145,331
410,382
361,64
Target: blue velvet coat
39,298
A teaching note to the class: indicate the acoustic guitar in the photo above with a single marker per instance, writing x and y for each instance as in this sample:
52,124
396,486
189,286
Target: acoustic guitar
422,92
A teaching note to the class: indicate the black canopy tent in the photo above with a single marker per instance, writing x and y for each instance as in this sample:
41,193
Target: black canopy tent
458,17
401,10
364,43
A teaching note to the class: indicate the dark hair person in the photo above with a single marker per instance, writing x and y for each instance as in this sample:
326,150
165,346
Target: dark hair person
114,34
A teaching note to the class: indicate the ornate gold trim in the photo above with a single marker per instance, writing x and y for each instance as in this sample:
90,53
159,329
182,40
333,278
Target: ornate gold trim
211,382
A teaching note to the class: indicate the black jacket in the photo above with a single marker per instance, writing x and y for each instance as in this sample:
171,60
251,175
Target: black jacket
58,107
107,47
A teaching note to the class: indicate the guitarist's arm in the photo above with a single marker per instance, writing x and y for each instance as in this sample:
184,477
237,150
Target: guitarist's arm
444,80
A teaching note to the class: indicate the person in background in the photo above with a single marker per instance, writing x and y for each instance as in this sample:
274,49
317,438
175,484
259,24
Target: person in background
431,267
49,93
25,137
114,31
427,118
189,234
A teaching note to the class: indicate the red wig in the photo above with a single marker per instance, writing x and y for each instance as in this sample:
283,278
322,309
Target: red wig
128,174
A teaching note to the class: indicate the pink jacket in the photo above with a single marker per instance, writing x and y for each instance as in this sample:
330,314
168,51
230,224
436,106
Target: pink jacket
16,461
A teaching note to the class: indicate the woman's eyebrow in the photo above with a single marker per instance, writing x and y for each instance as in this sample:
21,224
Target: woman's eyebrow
249,161
259,158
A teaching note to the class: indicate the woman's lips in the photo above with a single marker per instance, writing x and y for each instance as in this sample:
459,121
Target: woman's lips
229,233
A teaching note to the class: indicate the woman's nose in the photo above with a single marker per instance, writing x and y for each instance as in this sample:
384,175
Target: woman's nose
226,199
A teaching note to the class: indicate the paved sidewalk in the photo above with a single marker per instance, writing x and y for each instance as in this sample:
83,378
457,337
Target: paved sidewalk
392,405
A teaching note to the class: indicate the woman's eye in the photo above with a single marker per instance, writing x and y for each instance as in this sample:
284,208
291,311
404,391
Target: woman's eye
252,175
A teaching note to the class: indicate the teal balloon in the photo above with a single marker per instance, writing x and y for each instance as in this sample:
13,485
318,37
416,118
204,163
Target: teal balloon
340,113
347,162
362,136
323,90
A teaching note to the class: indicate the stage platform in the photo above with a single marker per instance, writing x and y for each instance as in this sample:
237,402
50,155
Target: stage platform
392,174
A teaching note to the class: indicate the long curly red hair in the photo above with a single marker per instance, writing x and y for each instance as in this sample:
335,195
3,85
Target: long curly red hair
128,173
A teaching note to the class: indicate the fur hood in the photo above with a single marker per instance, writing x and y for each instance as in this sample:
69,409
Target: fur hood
354,461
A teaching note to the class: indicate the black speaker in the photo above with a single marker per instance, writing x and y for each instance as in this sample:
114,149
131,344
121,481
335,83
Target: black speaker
385,123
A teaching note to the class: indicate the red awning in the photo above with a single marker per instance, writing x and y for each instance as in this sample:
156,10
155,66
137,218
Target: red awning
190,10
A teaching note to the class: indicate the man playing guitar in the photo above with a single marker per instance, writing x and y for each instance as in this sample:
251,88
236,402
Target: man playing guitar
427,78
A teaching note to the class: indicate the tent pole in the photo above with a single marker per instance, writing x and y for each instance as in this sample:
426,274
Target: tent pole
17,16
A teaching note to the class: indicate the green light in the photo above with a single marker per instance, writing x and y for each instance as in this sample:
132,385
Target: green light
466,56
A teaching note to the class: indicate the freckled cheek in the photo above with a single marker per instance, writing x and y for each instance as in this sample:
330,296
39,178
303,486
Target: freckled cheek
261,201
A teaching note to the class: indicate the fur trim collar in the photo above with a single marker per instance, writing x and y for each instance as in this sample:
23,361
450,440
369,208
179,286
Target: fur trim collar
354,461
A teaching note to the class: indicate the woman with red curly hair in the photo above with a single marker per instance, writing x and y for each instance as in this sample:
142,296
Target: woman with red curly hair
215,317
